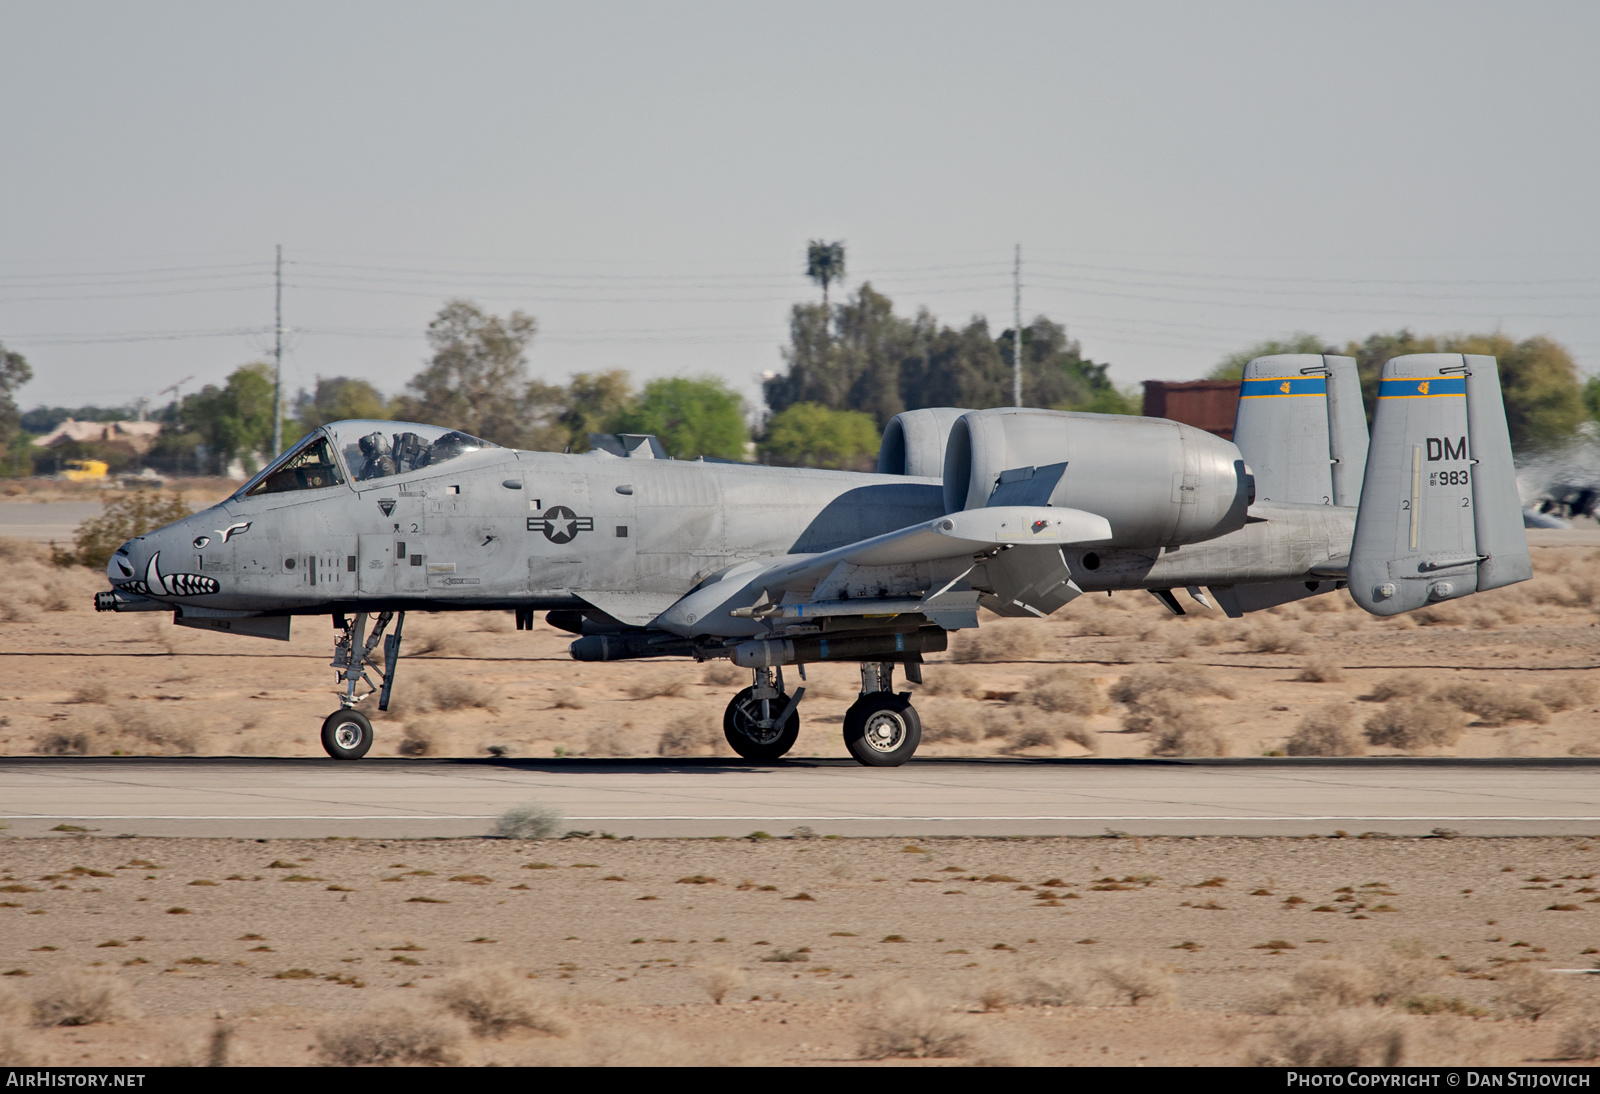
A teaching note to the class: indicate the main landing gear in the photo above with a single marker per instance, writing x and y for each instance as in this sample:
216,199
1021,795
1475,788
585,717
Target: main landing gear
881,728
347,733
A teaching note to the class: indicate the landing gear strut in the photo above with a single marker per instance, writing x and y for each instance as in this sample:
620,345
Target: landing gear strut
762,721
881,729
347,733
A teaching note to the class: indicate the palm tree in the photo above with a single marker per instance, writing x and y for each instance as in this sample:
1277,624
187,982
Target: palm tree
824,265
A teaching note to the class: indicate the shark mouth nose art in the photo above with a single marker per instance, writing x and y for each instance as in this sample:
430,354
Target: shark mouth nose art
154,583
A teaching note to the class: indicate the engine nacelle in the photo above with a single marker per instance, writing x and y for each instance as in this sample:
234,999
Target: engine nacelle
913,443
1160,483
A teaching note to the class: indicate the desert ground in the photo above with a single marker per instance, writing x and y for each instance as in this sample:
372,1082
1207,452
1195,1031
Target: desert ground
814,951
793,951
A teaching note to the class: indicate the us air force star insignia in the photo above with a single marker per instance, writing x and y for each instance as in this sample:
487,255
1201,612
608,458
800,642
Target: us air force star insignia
560,524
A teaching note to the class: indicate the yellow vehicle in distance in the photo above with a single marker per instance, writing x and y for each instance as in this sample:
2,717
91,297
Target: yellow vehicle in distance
85,470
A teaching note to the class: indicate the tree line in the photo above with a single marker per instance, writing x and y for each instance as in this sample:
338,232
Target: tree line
850,366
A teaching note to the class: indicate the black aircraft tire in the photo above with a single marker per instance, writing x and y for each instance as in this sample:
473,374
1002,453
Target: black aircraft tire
882,729
737,723
347,735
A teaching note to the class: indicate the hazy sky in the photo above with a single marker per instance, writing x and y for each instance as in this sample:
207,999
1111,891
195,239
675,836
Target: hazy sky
1184,178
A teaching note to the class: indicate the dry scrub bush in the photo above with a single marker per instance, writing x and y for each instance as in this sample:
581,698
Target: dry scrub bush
958,721
998,641
615,740
1062,984
1418,723
567,699
1064,691
960,683
1341,1038
1447,614
90,691
1319,672
1402,685
531,821
1267,637
695,734
1114,981
126,729
1579,1041
80,998
1329,730
391,1036
658,686
1494,704
495,1001
1329,984
1524,991
721,674
1174,679
430,643
421,739
451,693
1033,733
1135,980
719,980
1178,728
1565,694
908,1024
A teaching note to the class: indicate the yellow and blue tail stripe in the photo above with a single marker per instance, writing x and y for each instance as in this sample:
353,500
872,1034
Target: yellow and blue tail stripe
1431,387
1280,387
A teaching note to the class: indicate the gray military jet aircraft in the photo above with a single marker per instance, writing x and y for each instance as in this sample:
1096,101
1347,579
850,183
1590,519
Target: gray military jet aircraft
1015,510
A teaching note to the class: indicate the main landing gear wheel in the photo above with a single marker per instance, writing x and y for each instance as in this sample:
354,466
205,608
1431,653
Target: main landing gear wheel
347,735
881,729
741,725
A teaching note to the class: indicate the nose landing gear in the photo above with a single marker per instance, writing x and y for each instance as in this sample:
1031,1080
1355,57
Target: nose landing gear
762,721
881,729
347,733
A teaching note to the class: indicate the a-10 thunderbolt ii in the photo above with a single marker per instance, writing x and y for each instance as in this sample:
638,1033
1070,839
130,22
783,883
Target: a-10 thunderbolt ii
1014,510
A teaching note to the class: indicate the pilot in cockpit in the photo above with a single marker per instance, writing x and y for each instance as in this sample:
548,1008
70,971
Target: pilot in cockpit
379,463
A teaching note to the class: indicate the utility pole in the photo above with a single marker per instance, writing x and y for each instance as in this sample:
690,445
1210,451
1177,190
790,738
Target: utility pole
277,358
1016,341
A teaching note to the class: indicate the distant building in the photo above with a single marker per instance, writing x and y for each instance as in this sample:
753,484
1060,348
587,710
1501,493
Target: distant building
139,436
1208,404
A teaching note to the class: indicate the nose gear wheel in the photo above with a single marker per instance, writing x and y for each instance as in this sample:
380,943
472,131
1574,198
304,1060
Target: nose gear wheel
346,735
742,725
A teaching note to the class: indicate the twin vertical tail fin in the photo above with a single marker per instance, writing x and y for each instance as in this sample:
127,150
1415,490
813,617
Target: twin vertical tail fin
1302,429
1440,515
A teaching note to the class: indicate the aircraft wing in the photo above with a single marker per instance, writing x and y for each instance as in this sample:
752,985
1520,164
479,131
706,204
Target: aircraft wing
712,609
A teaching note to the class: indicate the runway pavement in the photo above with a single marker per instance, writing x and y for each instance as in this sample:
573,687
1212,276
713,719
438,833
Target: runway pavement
267,798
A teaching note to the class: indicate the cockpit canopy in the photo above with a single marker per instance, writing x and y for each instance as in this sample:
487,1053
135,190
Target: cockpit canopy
361,451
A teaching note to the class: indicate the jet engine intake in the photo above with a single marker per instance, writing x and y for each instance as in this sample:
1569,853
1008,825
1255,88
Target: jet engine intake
1159,483
913,443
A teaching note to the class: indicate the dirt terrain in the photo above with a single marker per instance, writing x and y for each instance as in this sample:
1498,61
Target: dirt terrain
1506,673
821,951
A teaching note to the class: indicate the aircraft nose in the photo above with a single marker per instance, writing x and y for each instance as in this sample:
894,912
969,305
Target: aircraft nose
122,566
